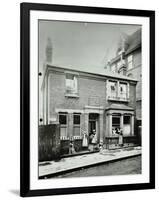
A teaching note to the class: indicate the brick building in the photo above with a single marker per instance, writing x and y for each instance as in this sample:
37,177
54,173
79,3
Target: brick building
128,62
83,101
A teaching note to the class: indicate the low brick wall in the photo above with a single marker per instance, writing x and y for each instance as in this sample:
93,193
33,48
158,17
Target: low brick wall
113,142
49,142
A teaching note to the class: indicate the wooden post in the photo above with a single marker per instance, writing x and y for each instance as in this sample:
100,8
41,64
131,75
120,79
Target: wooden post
101,127
132,124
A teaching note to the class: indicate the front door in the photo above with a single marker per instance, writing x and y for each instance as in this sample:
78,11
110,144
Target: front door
92,126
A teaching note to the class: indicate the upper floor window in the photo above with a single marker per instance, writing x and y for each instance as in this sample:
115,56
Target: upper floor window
130,61
117,90
112,88
71,84
123,90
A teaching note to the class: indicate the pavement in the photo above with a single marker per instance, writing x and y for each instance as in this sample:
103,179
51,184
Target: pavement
68,164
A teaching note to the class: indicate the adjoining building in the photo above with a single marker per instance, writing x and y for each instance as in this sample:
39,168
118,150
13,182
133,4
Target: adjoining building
128,62
83,101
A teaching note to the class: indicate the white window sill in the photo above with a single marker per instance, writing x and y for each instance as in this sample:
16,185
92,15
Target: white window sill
118,99
72,95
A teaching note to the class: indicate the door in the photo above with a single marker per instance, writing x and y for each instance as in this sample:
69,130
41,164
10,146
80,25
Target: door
92,126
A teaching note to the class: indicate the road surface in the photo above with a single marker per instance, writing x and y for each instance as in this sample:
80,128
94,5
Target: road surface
123,167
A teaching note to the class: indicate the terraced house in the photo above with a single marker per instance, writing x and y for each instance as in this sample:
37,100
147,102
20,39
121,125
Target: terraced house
128,62
83,101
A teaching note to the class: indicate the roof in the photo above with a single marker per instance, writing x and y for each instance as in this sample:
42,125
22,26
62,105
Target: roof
119,107
96,71
132,42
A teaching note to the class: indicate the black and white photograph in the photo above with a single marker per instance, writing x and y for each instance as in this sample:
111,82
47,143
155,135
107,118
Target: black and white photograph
87,99
90,96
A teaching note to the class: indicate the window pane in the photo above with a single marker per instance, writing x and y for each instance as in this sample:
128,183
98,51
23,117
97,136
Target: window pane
112,89
71,83
76,119
130,61
76,131
123,90
126,119
63,119
116,120
63,131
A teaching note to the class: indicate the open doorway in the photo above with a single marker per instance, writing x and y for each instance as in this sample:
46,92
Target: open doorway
93,129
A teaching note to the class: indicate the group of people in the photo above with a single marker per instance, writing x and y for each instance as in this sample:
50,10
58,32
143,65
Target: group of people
91,140
119,132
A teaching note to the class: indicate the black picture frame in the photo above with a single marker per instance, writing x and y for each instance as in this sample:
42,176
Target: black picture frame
25,9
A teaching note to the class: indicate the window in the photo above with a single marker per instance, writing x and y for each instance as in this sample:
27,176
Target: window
112,89
123,90
76,124
117,90
115,122
118,65
71,84
130,62
63,124
126,125
63,119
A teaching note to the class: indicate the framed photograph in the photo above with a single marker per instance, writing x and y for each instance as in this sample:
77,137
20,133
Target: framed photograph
87,99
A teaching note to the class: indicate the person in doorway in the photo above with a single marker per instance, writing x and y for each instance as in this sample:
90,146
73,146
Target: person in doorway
91,136
85,140
94,140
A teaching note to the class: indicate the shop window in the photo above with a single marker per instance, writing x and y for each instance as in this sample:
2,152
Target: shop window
76,124
71,84
63,124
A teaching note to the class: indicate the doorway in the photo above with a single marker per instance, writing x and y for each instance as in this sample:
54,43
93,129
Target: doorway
93,126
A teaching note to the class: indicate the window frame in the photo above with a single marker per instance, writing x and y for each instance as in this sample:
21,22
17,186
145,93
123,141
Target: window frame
77,125
72,94
63,125
117,98
129,62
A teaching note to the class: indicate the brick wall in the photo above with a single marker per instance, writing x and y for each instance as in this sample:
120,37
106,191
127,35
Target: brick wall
88,88
91,92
